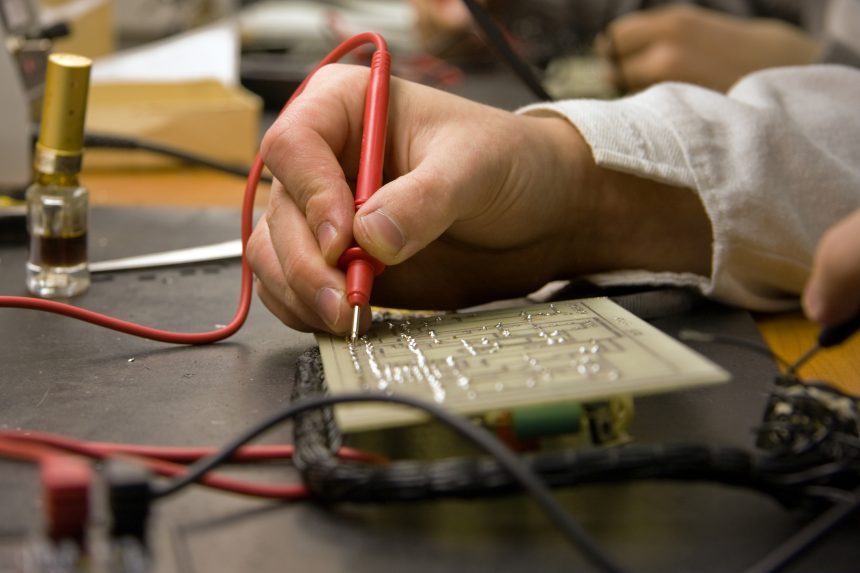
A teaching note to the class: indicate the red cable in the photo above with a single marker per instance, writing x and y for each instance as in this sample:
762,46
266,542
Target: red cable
42,447
223,483
100,450
379,111
66,479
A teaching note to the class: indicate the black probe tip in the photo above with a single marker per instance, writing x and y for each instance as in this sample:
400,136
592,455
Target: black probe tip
833,335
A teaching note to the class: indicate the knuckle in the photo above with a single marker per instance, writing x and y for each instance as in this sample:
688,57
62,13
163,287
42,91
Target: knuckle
681,22
336,76
666,61
252,247
296,265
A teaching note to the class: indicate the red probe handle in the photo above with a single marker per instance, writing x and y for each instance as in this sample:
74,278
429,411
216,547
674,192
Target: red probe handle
360,267
375,125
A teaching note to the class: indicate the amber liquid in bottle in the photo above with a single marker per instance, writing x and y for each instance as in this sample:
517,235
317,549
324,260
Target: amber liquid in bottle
57,222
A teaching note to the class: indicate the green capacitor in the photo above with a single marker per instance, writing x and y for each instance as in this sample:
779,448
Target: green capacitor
547,420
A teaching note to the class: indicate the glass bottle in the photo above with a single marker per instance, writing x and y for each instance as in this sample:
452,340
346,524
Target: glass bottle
57,205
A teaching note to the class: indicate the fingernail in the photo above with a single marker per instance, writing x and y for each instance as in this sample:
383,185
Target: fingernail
383,231
328,305
326,234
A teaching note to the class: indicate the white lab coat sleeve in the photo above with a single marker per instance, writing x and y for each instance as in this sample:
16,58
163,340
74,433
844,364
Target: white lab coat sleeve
775,163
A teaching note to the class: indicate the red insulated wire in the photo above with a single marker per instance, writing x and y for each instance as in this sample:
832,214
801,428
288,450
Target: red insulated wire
379,110
65,478
45,448
223,483
11,448
100,450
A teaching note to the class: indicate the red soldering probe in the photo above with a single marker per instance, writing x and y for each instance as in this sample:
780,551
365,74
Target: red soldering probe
359,266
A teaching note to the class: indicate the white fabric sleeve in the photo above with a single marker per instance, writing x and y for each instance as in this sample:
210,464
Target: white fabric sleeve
775,162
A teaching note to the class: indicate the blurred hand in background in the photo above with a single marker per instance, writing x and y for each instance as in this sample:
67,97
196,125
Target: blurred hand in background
690,44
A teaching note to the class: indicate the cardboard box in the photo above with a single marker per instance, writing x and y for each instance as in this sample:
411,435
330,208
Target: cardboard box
91,23
202,117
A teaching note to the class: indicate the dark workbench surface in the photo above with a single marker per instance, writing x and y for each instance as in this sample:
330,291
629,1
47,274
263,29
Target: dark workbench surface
69,377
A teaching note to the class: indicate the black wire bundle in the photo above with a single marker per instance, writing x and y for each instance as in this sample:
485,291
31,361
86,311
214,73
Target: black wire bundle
826,473
317,438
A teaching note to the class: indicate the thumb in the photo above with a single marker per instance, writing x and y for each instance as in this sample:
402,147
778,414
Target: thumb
407,214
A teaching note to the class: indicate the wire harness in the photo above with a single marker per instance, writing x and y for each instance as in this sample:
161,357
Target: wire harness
316,438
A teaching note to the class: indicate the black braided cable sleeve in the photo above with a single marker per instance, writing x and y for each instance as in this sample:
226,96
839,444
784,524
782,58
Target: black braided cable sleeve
317,437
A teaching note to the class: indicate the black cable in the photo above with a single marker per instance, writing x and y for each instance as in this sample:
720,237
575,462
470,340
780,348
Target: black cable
806,538
496,38
317,438
691,335
478,436
109,141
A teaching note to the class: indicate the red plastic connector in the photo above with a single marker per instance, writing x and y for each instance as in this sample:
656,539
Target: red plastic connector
66,482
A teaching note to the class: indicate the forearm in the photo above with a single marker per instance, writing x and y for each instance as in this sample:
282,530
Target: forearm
772,165
622,220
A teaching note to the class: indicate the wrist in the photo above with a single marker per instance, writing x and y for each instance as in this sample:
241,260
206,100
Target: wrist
618,221
652,226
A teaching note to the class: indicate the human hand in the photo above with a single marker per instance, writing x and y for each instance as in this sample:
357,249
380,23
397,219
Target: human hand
479,202
832,294
442,15
700,46
444,28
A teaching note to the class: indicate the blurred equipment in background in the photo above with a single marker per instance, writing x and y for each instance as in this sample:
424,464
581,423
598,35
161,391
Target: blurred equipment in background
140,21
282,41
24,48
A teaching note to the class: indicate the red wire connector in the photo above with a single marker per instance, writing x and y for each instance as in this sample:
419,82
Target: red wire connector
65,481
66,484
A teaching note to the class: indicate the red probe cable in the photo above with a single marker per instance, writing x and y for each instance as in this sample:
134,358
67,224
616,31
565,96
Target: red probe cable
51,451
99,450
360,267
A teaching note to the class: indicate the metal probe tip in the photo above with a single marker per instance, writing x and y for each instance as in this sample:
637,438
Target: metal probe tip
792,370
356,315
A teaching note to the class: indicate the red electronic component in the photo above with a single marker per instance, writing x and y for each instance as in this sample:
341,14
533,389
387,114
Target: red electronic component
66,482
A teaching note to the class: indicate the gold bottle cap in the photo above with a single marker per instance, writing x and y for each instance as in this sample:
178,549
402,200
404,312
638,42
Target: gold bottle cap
65,104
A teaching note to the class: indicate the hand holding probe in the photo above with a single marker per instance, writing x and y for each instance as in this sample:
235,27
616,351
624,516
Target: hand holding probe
828,337
359,266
